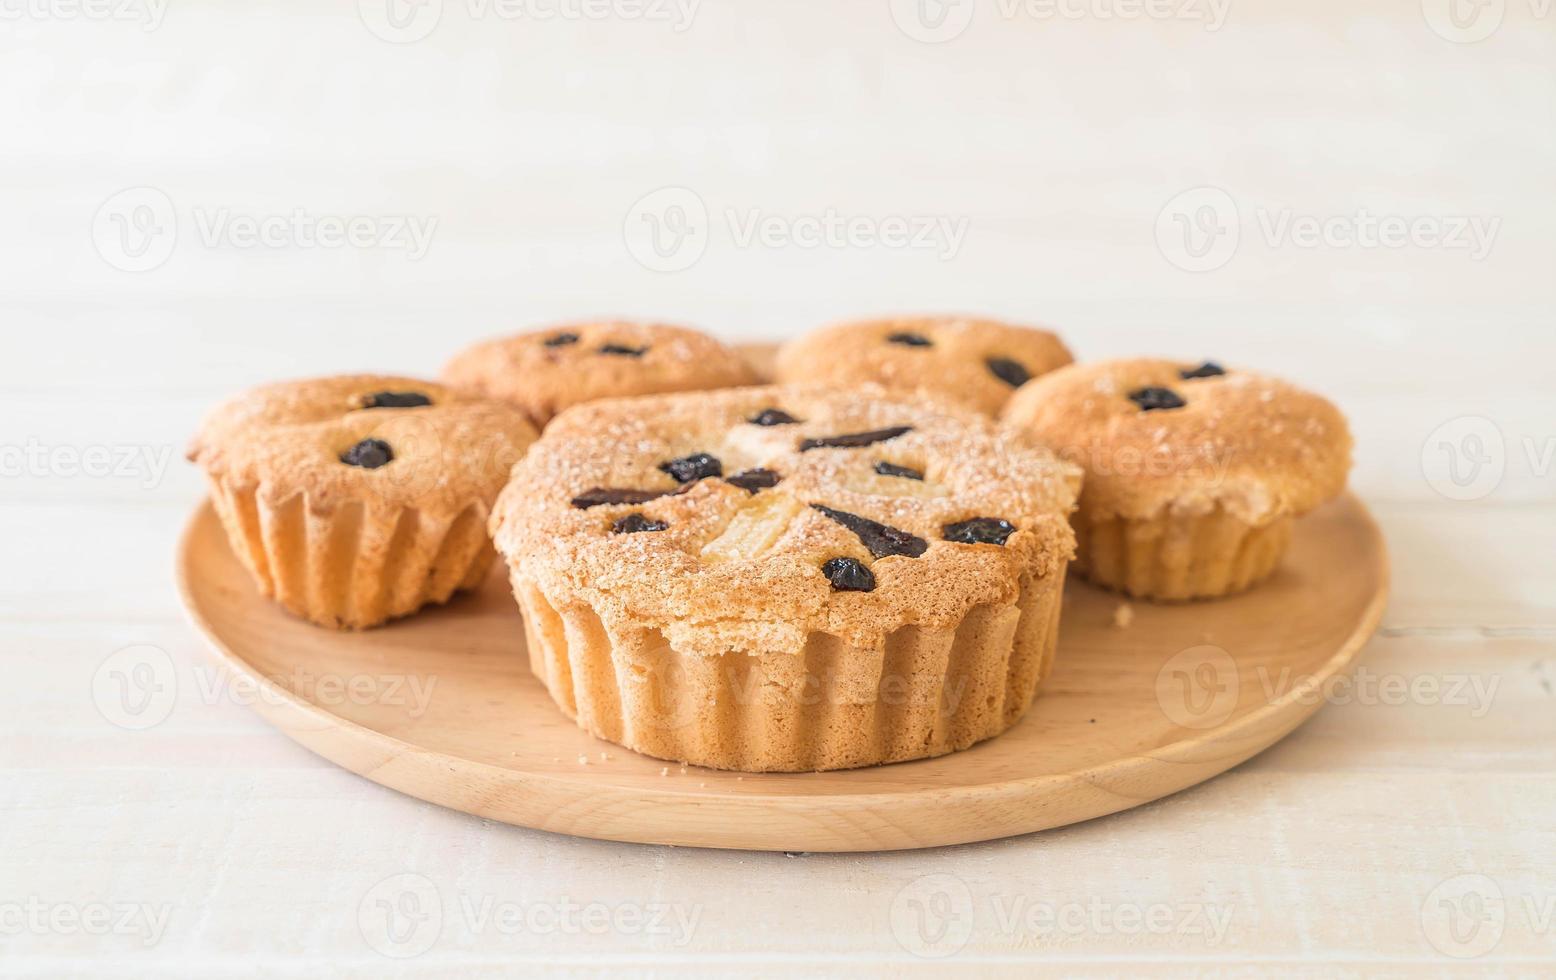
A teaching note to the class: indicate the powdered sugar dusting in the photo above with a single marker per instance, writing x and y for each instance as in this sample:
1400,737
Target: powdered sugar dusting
760,569
1244,441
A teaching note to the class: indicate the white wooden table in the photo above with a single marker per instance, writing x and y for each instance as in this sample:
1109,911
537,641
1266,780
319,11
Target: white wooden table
1052,166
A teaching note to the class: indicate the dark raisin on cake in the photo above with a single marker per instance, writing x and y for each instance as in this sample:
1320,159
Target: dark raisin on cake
892,469
979,530
853,440
634,523
1155,399
696,466
848,575
753,480
396,399
1209,369
369,454
599,496
772,416
1008,371
883,540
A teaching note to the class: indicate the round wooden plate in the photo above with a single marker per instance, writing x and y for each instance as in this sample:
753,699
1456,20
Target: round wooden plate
442,706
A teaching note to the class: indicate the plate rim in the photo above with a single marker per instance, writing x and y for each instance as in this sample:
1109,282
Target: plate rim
279,700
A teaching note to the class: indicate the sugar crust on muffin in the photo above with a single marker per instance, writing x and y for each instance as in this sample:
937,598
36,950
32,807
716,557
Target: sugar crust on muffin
542,372
356,499
973,361
288,437
1250,444
680,579
1195,475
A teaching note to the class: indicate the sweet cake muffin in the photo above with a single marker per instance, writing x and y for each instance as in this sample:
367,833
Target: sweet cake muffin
787,578
978,363
545,371
353,500
1194,473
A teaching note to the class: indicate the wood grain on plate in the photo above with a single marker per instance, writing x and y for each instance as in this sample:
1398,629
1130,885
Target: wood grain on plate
442,706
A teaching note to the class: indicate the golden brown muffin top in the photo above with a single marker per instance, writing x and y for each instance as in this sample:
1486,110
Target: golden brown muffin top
978,363
398,441
1156,434
545,371
734,521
